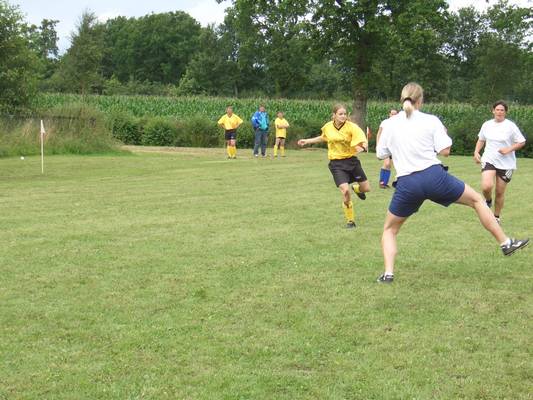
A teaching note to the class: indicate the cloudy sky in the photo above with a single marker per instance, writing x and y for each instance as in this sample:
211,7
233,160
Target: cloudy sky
204,11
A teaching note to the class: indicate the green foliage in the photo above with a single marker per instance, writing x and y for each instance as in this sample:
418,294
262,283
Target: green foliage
159,131
155,47
80,69
126,128
18,64
199,115
70,129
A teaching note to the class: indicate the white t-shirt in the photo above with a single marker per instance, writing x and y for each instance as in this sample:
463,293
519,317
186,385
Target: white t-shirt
497,135
412,142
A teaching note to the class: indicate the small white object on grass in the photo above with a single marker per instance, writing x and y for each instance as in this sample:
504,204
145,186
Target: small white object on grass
22,157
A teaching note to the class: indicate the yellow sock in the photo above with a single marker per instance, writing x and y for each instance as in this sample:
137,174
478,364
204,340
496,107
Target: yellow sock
228,150
356,188
275,151
348,211
234,151
282,148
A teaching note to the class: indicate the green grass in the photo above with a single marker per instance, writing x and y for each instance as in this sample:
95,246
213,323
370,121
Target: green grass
183,275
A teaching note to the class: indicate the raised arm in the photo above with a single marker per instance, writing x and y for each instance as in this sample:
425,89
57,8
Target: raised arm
317,139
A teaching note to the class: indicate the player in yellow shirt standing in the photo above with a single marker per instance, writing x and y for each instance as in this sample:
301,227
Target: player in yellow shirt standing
345,140
281,125
230,122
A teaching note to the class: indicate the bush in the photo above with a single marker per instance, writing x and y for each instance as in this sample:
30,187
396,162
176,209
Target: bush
125,128
159,132
74,128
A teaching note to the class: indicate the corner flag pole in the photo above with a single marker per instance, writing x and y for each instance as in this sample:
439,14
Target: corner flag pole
42,146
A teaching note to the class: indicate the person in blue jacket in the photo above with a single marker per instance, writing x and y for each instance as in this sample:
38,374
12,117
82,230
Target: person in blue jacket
260,124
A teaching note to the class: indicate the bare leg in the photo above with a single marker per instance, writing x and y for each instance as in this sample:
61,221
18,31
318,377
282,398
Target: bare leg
364,187
487,183
391,228
473,199
346,196
501,185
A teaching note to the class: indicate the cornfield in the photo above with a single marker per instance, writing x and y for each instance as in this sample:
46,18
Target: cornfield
305,116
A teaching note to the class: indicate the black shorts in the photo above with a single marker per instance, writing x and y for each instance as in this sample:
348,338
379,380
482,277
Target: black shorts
504,174
231,134
347,170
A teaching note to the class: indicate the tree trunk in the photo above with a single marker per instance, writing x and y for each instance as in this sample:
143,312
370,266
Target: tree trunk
359,107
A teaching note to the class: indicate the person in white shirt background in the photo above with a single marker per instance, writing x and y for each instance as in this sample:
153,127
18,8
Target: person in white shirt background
501,138
414,139
384,173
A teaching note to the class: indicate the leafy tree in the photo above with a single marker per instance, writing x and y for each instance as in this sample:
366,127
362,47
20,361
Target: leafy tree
155,48
210,71
43,40
80,68
18,64
355,34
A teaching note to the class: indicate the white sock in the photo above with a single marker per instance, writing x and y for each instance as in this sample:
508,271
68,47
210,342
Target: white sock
506,243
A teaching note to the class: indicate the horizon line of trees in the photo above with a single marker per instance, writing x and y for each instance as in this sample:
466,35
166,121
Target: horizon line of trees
280,48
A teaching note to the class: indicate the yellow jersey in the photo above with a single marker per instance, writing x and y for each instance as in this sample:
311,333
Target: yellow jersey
230,123
342,141
281,132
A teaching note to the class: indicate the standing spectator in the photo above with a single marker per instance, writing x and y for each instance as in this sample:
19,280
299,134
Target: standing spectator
230,122
502,138
260,123
414,139
345,140
281,125
384,173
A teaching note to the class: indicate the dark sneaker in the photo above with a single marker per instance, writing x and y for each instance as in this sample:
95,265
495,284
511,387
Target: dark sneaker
489,203
386,278
516,244
362,196
498,220
350,225
383,186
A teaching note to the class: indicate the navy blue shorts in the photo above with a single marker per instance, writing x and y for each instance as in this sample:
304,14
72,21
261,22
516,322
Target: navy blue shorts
230,134
433,183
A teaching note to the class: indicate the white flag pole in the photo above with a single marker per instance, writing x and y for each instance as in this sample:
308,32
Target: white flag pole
42,147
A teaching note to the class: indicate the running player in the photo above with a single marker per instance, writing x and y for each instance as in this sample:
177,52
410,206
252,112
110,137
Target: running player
345,140
501,139
414,139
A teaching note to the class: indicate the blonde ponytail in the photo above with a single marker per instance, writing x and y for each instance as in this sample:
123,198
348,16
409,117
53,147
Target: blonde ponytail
412,96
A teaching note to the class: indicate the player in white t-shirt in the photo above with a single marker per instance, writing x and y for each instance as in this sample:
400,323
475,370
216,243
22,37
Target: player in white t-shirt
501,138
414,139
384,173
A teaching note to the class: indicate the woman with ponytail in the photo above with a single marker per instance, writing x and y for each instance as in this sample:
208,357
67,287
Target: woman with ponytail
414,139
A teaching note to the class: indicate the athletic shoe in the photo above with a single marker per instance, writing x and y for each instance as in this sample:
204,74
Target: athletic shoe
350,225
256,155
383,186
498,220
516,244
362,196
385,278
489,203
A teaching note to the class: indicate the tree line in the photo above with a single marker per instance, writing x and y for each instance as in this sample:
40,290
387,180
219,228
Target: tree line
319,49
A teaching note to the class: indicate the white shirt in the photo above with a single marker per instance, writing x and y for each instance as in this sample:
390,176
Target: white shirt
412,142
497,135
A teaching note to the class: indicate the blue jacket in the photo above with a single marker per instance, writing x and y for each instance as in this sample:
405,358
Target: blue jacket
260,120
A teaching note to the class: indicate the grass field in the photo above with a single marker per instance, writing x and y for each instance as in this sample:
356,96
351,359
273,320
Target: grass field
183,275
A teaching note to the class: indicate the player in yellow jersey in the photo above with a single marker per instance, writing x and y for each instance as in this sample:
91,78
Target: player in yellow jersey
345,140
230,122
281,125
